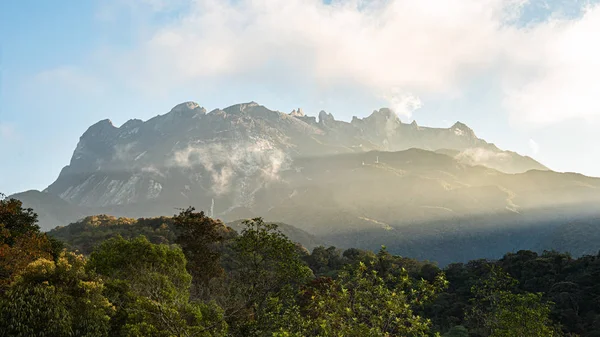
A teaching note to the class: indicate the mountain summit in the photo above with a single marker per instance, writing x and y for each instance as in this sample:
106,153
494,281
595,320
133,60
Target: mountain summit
240,147
372,181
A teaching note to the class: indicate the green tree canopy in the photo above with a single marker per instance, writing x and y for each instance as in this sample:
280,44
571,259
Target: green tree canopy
150,285
16,219
21,241
267,270
500,311
56,299
198,236
363,303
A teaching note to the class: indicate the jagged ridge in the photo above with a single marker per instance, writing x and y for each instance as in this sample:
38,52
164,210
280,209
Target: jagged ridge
132,163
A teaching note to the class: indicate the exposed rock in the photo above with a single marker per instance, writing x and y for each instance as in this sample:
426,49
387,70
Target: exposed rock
297,113
230,154
325,117
188,107
132,123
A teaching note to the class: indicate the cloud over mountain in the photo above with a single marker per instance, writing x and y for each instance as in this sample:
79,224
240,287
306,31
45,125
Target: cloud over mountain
398,50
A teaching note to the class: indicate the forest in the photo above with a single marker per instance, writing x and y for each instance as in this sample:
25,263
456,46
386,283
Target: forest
191,275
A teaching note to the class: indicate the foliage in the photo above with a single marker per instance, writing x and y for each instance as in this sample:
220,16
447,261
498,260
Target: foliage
20,241
325,261
198,236
570,285
267,268
150,285
56,299
260,283
363,302
16,219
499,312
25,249
89,232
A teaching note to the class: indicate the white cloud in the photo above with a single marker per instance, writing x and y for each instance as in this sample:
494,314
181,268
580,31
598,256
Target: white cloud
534,146
479,156
560,63
403,103
548,69
227,163
424,46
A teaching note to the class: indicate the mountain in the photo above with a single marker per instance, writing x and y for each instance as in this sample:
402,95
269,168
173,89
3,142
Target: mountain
189,154
52,211
579,237
435,193
504,161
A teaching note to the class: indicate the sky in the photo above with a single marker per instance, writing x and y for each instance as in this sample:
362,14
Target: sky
525,75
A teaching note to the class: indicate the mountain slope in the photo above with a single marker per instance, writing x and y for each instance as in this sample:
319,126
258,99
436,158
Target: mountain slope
231,153
416,202
421,191
52,211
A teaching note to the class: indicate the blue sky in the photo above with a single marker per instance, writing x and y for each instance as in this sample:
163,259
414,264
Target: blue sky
522,74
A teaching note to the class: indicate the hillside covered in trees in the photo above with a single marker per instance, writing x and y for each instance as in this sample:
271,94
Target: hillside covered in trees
190,275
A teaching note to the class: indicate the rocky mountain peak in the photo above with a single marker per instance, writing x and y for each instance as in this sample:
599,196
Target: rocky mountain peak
132,123
105,123
232,152
238,108
103,127
297,113
461,129
188,108
383,114
387,113
325,117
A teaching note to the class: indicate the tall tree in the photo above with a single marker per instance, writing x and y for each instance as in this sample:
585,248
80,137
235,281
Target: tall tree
198,236
267,270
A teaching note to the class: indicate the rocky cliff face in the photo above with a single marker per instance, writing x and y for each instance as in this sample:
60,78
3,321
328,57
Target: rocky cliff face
229,155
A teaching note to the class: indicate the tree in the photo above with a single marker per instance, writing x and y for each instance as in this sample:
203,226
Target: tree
498,311
55,299
150,286
21,241
16,219
325,261
25,249
198,236
362,303
87,233
267,270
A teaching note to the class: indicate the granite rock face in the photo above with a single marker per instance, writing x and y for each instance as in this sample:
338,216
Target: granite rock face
230,154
